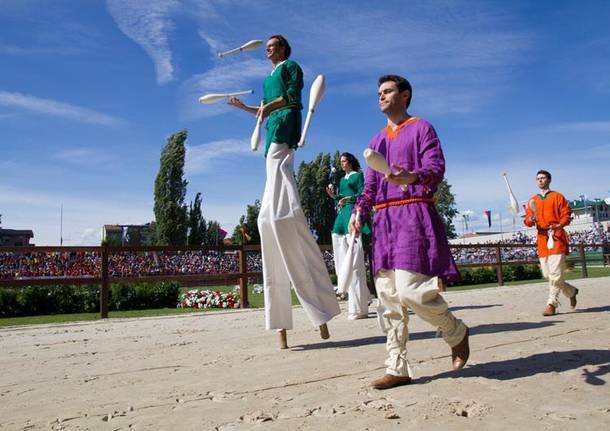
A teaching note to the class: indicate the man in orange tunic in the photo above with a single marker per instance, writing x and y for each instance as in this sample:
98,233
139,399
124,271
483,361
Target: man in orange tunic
550,212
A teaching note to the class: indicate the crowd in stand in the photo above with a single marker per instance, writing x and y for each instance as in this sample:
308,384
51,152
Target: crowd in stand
128,264
43,264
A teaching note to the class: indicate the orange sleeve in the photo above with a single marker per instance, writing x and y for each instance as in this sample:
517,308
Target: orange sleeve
564,211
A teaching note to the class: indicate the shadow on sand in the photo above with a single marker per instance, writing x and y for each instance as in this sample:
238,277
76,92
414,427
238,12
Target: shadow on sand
472,307
540,363
593,309
490,328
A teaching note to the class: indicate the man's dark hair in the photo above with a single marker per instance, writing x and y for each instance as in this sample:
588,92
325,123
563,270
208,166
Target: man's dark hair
401,83
547,174
352,161
281,40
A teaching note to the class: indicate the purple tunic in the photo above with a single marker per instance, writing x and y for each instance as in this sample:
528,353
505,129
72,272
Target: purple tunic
409,236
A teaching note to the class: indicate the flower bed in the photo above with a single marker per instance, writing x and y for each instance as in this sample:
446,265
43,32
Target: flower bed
208,299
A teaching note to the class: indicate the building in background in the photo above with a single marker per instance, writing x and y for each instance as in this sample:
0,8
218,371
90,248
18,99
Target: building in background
117,234
591,211
15,237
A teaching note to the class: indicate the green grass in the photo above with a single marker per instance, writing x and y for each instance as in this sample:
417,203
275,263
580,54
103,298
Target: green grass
256,301
76,317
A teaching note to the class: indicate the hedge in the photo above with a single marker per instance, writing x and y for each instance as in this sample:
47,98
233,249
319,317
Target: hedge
39,300
488,274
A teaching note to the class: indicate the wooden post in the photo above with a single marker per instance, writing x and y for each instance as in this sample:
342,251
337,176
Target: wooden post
499,266
243,280
583,260
105,284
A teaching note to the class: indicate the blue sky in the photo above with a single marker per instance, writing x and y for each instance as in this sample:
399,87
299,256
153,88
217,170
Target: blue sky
90,90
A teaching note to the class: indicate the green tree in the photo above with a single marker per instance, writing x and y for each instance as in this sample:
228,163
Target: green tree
170,189
151,234
326,213
249,221
211,236
319,209
445,204
197,225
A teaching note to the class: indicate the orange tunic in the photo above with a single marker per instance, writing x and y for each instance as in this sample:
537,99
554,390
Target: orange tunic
552,209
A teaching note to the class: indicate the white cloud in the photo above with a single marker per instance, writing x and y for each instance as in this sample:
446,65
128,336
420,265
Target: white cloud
201,158
148,23
57,109
215,45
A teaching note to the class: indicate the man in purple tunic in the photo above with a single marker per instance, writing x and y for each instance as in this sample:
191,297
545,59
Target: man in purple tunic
410,248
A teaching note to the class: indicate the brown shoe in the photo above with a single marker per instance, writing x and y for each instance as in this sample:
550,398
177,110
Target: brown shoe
461,352
573,300
389,381
550,310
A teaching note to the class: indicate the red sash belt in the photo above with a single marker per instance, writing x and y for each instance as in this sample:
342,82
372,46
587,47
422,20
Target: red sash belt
402,202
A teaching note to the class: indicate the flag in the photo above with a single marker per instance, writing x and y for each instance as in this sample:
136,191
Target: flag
221,233
245,234
488,215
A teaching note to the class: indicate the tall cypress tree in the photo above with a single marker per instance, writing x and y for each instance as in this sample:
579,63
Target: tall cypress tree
312,179
325,217
170,189
197,225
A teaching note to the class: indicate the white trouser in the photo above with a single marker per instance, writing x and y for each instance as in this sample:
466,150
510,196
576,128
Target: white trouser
400,289
358,293
290,254
552,269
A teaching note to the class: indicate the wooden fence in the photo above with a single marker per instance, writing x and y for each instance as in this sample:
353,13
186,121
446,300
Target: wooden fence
104,278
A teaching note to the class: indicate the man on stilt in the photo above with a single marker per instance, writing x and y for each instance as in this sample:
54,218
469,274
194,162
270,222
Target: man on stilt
291,256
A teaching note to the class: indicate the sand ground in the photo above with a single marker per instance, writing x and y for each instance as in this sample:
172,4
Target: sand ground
223,371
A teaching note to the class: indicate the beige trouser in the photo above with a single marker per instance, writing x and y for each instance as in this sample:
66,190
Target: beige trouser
358,293
552,269
399,290
290,254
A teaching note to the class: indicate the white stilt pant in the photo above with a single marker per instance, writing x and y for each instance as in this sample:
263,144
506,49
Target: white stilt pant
358,293
290,254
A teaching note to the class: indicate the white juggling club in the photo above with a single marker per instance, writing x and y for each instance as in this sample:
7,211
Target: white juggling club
378,163
514,205
217,97
255,139
315,94
248,46
550,242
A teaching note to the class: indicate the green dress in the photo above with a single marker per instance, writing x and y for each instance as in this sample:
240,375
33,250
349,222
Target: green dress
350,185
284,124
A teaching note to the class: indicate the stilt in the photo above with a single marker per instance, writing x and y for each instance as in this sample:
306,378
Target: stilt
324,331
283,338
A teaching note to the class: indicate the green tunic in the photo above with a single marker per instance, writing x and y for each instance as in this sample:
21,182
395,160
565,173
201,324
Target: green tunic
351,186
284,124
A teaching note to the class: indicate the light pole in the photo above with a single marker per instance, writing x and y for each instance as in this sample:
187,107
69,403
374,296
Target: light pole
597,200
